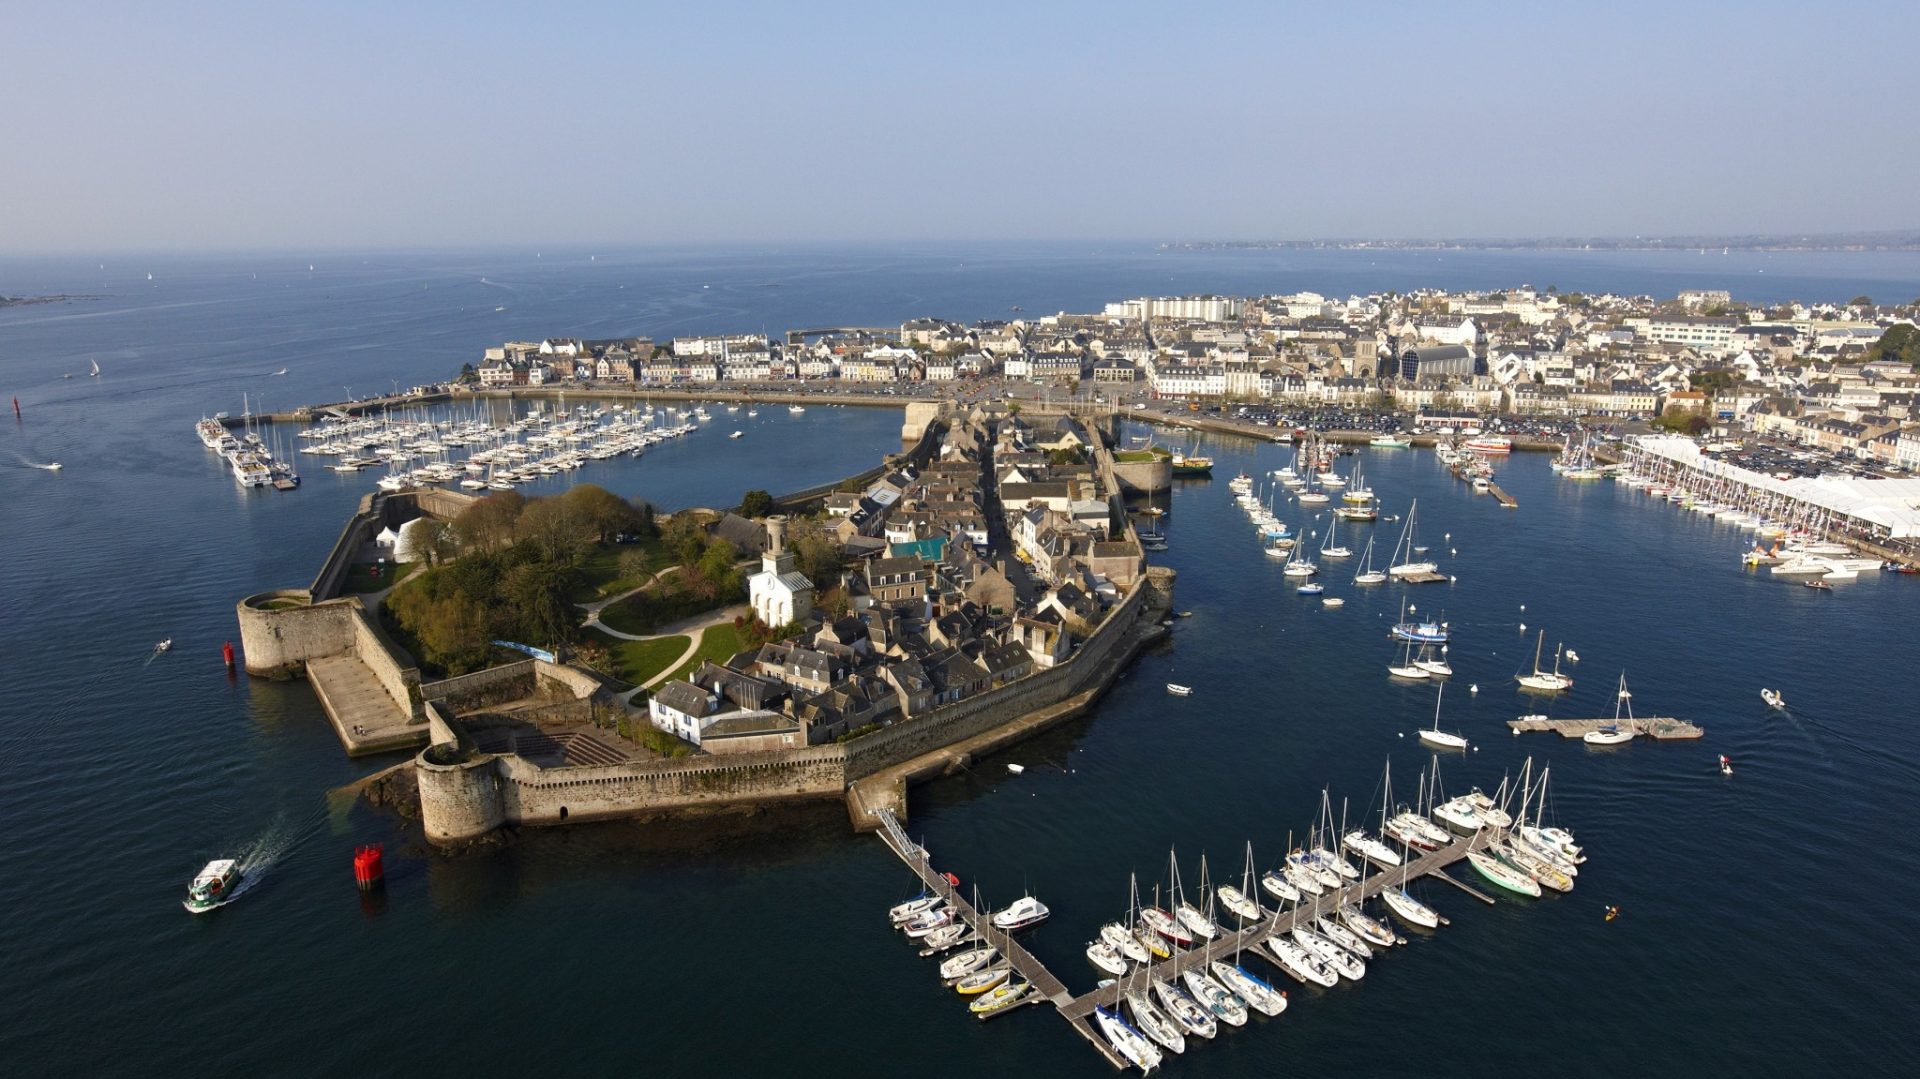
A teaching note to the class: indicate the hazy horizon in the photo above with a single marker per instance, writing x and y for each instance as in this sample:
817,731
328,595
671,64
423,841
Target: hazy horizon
440,126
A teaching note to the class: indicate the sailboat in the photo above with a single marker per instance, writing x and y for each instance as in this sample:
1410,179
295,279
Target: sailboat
1132,1045
1189,915
1154,1022
1545,681
1367,574
1408,568
1615,733
1327,547
95,373
1436,737
1407,668
1241,901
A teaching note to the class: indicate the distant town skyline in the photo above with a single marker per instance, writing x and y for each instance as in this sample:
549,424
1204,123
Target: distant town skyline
231,127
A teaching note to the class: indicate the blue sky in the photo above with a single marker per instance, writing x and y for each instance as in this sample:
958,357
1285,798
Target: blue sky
228,125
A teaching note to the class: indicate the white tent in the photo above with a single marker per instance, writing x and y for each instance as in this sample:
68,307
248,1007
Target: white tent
387,537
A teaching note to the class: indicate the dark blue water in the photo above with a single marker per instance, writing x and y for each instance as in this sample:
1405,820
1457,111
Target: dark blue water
1763,914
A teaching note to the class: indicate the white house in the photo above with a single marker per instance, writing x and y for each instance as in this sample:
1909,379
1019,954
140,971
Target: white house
780,594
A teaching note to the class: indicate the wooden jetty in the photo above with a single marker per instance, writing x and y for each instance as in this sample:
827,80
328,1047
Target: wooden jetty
1659,728
1422,578
1078,1010
1502,496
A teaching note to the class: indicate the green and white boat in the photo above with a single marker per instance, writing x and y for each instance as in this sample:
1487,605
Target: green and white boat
215,886
1389,442
1503,874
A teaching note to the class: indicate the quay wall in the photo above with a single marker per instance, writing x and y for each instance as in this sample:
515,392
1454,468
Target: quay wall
1144,477
383,659
918,455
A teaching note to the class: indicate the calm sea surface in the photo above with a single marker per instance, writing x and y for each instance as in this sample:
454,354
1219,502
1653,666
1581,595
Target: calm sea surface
1765,916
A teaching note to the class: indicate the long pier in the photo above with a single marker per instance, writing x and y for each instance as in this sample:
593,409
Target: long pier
1078,1010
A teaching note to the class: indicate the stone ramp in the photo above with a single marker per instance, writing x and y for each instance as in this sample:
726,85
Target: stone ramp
365,717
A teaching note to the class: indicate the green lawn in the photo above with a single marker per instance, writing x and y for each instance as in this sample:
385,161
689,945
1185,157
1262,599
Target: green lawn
371,577
600,573
636,661
720,642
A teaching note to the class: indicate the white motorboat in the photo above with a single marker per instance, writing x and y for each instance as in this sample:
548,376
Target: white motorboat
1179,690
1155,1024
1214,997
1133,1046
1487,809
1333,603
1436,737
796,409
1187,1012
1257,994
968,962
736,434
1773,699
216,885
1026,911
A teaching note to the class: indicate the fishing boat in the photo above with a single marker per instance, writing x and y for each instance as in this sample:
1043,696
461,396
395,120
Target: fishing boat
1543,681
1773,699
1616,732
968,962
999,999
1436,737
1179,690
1133,1046
1025,912
214,886
1503,874
981,981
1389,442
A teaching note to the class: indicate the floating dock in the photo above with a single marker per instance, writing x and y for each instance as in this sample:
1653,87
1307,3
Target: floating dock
1658,728
1078,1010
1422,578
1503,497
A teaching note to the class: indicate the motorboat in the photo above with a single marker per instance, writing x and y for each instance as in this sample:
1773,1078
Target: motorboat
968,962
164,645
903,913
1257,994
1821,585
1460,815
1554,839
928,922
1016,769
981,981
1773,699
1214,997
999,999
1333,603
1179,690
1133,1046
736,434
1025,911
216,885
1503,874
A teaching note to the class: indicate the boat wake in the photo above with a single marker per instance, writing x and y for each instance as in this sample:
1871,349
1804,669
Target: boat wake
281,839
49,466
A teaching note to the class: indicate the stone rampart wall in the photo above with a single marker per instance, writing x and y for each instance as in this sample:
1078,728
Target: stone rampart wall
467,686
370,645
279,643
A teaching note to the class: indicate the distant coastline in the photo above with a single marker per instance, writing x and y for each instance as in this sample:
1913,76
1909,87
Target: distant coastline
1896,240
28,301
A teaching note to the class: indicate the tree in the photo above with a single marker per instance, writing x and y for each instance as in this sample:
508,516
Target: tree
537,592
756,503
490,522
635,564
558,532
685,537
1860,301
1900,343
599,509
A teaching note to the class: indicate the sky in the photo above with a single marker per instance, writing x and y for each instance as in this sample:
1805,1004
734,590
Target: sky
223,126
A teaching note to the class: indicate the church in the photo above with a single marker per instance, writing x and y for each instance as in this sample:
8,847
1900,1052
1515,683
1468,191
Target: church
780,594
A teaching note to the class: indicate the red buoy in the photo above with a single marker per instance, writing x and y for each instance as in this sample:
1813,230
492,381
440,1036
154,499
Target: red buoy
367,870
226,653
